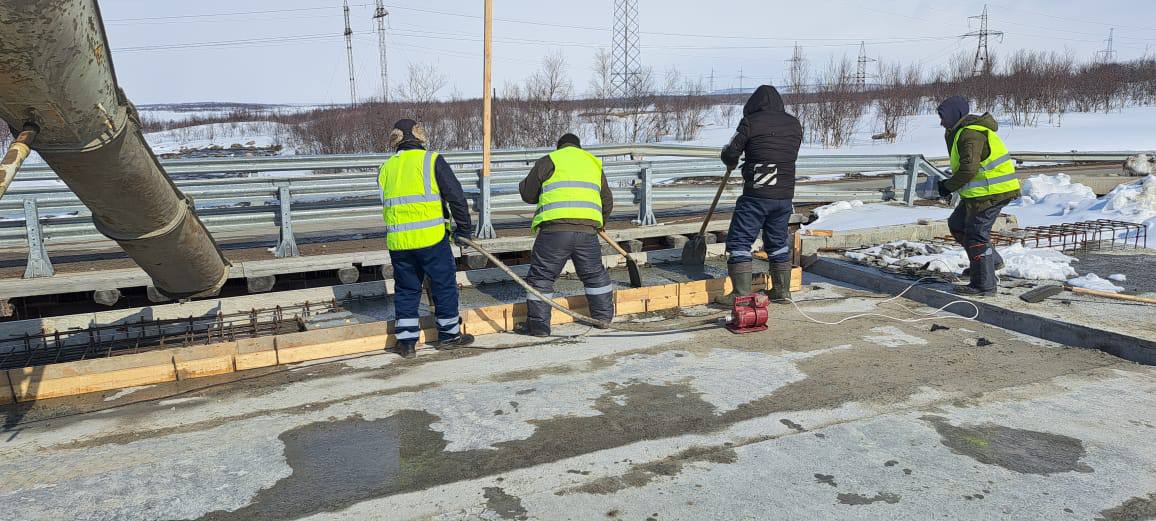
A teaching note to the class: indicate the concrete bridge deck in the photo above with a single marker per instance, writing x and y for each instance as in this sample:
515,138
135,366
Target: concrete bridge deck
871,419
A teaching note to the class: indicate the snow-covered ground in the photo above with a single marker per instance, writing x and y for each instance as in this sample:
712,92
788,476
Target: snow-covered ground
249,134
1129,129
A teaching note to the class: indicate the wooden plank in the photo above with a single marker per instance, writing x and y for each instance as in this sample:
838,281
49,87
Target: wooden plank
86,376
338,341
204,360
253,353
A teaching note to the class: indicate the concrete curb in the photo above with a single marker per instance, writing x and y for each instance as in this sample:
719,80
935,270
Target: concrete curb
1135,349
185,363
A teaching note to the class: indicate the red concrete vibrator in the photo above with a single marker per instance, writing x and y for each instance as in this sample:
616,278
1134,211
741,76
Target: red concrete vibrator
748,314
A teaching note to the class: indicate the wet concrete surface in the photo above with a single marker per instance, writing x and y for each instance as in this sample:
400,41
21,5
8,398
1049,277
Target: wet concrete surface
809,421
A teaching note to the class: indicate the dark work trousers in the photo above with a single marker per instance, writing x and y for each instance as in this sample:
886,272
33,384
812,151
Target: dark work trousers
549,256
971,228
753,215
410,268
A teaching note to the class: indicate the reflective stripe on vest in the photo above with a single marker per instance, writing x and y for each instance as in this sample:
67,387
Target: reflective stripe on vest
574,191
997,173
411,201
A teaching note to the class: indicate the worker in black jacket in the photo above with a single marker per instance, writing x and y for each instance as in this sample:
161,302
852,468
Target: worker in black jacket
769,138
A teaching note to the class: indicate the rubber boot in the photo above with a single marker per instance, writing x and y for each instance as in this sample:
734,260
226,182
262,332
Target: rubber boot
781,282
741,275
533,329
982,272
407,349
461,340
999,265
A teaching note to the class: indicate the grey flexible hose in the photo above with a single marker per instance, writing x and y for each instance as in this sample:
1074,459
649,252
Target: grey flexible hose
578,317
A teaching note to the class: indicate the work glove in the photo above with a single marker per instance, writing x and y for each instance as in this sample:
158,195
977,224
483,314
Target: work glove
943,191
461,236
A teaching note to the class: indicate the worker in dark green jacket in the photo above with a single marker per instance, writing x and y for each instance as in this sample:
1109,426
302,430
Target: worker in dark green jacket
984,175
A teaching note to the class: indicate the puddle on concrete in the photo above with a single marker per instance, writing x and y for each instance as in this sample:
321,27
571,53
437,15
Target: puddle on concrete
1135,509
860,499
340,463
504,505
642,474
1023,451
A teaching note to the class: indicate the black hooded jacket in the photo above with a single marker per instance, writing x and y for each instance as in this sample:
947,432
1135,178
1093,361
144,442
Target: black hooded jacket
769,138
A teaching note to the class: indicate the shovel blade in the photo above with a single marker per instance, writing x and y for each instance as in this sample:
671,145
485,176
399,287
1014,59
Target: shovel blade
694,253
635,273
1041,293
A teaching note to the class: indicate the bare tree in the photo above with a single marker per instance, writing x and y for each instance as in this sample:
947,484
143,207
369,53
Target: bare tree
600,92
898,98
838,105
422,84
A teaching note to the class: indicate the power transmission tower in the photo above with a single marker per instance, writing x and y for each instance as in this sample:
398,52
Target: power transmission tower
1108,55
861,70
626,66
982,63
740,80
349,53
712,79
379,14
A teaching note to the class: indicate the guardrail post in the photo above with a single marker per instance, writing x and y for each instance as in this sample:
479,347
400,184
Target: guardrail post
287,246
645,197
485,228
39,265
912,180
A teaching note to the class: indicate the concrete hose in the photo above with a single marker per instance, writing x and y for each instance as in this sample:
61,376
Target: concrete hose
578,317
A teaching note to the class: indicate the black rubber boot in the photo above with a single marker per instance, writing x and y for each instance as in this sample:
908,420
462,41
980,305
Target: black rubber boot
999,265
780,282
532,329
982,273
406,349
450,344
741,275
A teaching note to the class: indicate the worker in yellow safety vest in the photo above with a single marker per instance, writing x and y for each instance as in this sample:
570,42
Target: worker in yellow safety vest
984,175
573,203
418,193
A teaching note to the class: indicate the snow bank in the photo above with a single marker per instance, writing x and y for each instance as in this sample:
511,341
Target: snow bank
249,134
1092,281
1118,277
1040,187
1057,201
1141,164
1019,262
859,216
834,208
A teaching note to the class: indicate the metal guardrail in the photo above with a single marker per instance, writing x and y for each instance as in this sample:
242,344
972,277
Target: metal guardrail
232,204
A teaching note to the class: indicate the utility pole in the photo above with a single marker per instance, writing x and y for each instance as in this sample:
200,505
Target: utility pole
349,53
982,63
712,80
626,67
740,80
861,70
379,14
487,93
1108,55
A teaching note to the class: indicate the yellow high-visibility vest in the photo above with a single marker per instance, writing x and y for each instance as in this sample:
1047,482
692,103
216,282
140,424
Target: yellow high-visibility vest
411,201
997,172
575,189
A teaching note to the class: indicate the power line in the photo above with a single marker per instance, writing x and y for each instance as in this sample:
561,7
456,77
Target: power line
216,15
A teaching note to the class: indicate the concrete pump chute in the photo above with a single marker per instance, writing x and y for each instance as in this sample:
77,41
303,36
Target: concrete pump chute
56,76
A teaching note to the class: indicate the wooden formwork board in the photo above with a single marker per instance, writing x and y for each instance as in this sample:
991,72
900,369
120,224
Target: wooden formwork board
105,374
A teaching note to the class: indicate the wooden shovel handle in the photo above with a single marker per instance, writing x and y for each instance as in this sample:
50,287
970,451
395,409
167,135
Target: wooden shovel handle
1108,294
710,213
617,247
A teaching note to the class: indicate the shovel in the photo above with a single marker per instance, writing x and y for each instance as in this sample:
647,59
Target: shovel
694,253
631,264
1042,293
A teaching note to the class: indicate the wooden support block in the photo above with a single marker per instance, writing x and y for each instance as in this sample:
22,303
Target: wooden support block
662,297
575,303
338,341
631,301
797,279
820,233
204,360
87,376
487,320
6,396
760,281
253,353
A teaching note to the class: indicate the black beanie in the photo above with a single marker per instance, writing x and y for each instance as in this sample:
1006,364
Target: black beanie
569,139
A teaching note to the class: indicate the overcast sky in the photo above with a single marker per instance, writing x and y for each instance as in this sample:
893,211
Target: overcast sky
220,50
